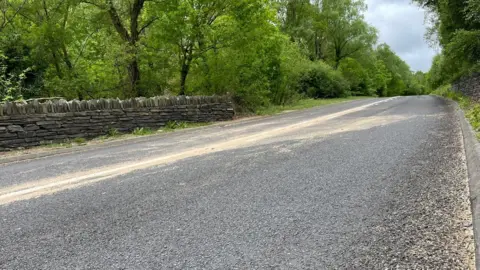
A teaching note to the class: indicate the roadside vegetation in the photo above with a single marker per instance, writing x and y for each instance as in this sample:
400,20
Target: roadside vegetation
455,28
264,53
471,108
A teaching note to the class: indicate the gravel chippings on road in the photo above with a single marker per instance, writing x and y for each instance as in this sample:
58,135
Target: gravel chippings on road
427,224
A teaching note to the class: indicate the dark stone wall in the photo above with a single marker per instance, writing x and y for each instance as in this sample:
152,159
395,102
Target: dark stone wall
469,86
58,122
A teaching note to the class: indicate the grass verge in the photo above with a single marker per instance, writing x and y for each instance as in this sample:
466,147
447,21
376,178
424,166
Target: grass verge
304,104
471,108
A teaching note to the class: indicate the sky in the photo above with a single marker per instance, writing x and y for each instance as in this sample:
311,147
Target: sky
401,25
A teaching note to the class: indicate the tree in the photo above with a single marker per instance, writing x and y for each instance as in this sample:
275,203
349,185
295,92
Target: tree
357,76
194,23
346,29
400,74
126,18
9,10
457,28
258,51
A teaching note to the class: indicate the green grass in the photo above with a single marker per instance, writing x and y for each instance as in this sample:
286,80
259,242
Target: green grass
65,144
80,140
174,125
142,131
303,104
471,108
113,132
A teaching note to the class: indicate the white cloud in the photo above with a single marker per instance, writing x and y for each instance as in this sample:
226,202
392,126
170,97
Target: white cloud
401,25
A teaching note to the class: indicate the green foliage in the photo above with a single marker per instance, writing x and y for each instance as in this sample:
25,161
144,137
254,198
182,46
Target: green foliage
261,52
357,77
171,125
12,86
471,108
395,73
446,92
473,114
322,81
113,132
142,131
456,28
79,140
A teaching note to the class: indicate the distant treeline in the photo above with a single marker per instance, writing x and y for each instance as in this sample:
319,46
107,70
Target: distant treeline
259,51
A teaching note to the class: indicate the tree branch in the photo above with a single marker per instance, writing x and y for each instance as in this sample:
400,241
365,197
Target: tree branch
7,20
147,24
94,4
117,22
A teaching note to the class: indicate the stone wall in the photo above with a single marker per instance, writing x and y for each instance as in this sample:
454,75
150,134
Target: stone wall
33,123
469,86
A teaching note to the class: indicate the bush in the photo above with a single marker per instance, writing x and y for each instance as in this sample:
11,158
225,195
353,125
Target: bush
357,77
321,81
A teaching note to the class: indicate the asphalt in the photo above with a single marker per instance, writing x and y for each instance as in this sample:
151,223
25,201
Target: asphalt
370,184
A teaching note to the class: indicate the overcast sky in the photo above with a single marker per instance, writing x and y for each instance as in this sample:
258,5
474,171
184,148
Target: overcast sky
401,25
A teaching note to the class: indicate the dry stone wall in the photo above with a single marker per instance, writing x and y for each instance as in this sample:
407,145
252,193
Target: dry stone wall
33,123
469,86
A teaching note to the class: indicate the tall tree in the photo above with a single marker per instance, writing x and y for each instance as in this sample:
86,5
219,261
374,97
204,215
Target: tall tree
457,28
126,18
193,36
346,28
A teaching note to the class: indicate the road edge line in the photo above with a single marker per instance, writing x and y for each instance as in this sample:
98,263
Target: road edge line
472,154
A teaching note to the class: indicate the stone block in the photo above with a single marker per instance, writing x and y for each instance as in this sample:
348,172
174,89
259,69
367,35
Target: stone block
12,142
28,134
8,135
44,133
56,116
43,123
19,117
15,128
80,135
33,139
31,127
55,137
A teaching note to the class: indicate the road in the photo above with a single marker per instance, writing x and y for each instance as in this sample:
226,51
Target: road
369,184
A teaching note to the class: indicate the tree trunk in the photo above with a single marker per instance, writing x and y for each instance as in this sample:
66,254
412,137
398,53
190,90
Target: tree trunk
57,65
318,48
132,38
134,78
183,78
66,58
338,58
